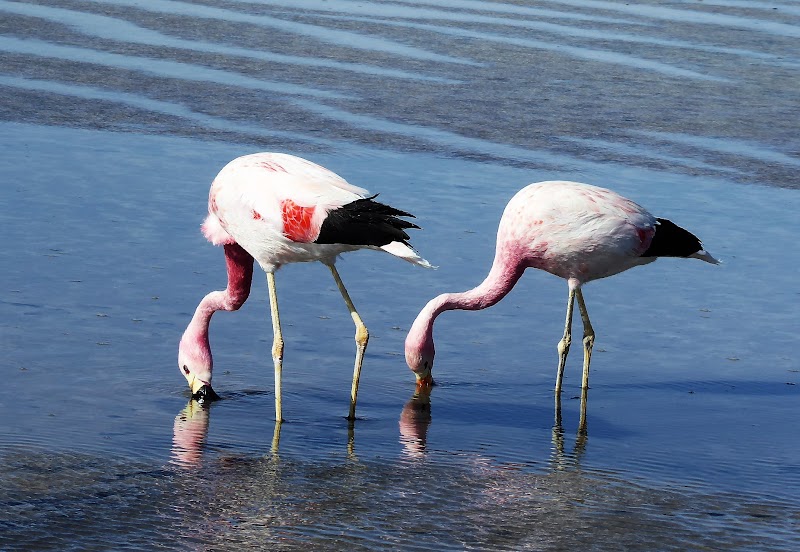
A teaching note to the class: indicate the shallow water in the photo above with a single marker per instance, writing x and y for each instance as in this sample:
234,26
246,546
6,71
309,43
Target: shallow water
116,116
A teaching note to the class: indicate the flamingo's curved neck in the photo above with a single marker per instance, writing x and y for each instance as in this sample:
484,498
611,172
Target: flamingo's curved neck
506,269
240,277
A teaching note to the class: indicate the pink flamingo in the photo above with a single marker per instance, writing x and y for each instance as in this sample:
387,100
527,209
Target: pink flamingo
277,209
572,230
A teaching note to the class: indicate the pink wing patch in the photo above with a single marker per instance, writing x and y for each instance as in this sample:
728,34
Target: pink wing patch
271,166
297,222
645,237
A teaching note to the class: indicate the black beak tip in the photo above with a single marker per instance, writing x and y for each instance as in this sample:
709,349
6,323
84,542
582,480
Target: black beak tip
205,394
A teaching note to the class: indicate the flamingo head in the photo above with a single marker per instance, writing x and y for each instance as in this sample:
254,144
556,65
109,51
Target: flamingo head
419,356
195,363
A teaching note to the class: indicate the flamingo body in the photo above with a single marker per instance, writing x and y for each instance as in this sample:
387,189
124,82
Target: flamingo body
572,230
576,230
275,209
276,205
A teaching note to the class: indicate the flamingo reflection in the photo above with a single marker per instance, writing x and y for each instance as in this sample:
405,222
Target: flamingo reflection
415,419
561,459
189,434
190,431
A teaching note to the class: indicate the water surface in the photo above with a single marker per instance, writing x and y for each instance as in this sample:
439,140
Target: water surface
117,115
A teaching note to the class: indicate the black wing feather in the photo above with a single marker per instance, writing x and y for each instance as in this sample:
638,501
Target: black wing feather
670,240
365,222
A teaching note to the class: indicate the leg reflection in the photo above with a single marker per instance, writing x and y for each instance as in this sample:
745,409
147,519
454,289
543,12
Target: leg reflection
351,440
582,422
276,439
561,459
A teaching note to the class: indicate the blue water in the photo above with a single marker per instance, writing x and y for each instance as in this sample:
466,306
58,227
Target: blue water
114,120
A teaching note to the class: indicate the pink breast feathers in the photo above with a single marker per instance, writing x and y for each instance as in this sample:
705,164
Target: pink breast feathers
297,222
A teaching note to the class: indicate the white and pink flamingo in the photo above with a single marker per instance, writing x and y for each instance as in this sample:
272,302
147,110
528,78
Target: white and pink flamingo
576,231
277,209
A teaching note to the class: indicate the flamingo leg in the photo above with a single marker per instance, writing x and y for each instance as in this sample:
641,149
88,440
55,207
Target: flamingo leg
563,345
362,337
277,344
588,339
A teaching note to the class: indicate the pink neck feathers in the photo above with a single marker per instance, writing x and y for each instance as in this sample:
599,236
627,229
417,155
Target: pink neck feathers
240,276
506,270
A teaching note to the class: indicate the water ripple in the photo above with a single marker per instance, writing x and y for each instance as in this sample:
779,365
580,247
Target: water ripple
156,106
353,9
497,7
639,150
158,67
366,12
688,16
451,140
592,54
56,501
314,32
730,147
123,31
754,5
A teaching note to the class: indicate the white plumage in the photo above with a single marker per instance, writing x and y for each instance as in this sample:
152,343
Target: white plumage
276,209
575,231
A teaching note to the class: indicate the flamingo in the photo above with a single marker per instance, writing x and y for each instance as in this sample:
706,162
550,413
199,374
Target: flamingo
575,231
276,209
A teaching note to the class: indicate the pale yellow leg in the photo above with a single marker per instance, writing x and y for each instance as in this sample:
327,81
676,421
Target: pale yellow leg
563,345
362,337
277,344
588,339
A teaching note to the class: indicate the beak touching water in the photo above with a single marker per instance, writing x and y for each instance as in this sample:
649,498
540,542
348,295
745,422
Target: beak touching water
202,391
424,379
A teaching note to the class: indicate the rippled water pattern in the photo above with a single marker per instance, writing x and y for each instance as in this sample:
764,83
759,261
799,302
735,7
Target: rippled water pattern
116,115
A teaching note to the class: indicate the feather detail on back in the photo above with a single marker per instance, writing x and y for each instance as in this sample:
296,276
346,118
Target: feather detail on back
289,177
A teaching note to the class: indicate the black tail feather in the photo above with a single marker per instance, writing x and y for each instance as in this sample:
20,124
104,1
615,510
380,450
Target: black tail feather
670,240
365,222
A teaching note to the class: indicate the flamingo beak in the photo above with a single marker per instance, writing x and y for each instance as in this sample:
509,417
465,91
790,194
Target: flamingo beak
205,394
424,380
202,391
